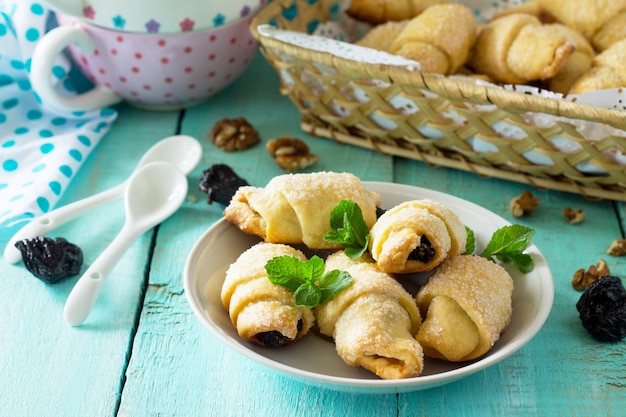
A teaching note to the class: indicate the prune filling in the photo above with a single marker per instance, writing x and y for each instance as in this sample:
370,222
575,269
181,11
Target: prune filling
50,260
424,252
220,182
274,338
602,309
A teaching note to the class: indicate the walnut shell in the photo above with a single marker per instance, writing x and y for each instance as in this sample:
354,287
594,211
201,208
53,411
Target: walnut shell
234,134
291,154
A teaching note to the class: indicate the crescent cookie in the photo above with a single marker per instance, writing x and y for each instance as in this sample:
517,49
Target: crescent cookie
416,236
440,39
381,11
467,304
381,37
456,228
373,321
295,208
518,48
264,313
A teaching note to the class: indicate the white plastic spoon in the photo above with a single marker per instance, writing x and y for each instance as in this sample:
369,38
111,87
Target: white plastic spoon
182,151
154,192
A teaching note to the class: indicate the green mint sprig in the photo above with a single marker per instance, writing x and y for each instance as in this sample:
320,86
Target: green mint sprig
507,244
470,244
348,229
306,279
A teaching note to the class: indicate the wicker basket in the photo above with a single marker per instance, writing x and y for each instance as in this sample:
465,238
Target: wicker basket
482,107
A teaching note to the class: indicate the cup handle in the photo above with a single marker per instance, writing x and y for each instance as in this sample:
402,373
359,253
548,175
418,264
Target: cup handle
43,59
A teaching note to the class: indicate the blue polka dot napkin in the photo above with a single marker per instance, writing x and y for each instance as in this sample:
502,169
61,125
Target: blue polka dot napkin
40,151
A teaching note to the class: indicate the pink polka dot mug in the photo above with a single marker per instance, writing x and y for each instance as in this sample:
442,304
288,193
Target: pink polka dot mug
150,71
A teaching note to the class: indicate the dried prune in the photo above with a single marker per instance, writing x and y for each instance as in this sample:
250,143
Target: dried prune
424,252
274,338
602,309
50,260
220,182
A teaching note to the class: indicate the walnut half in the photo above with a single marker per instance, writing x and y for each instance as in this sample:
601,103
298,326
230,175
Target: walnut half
583,279
291,154
234,134
573,216
617,248
523,204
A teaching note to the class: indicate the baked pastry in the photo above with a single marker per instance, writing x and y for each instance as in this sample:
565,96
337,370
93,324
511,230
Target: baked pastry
587,16
517,49
576,65
264,313
440,38
373,321
607,71
295,208
416,236
467,304
531,7
612,31
382,36
376,12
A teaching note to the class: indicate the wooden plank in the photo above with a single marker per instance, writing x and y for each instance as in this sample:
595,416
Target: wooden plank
47,367
562,371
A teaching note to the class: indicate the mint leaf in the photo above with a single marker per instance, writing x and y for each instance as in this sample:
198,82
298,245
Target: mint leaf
332,282
522,261
308,295
509,239
286,271
312,269
508,243
470,245
354,253
306,279
348,228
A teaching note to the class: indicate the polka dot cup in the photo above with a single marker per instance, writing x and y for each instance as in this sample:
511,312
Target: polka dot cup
150,71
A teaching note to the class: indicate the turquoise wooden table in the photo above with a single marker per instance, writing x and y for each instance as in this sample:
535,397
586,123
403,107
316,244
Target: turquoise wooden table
142,352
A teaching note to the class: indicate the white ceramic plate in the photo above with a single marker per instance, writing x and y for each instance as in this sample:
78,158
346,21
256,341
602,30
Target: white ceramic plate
313,359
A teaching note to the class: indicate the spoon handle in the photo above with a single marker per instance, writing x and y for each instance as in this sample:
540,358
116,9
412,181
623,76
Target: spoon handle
85,292
47,222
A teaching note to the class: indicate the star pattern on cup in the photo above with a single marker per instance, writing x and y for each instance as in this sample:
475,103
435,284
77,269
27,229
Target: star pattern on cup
187,25
219,19
152,26
245,11
119,22
89,12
